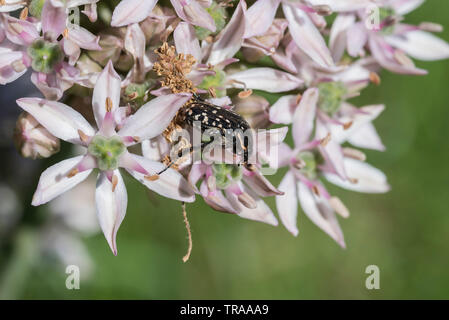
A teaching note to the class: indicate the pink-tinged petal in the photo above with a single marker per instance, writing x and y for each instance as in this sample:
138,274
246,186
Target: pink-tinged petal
337,40
52,90
259,17
268,144
20,32
420,45
364,178
357,36
55,181
359,119
331,151
231,37
216,200
53,20
135,42
320,213
384,55
197,171
131,11
287,204
193,12
260,185
304,117
154,116
170,184
11,66
90,10
342,5
59,119
107,88
307,36
186,41
266,79
367,137
285,156
84,38
261,213
155,149
72,3
111,200
283,109
403,7
72,50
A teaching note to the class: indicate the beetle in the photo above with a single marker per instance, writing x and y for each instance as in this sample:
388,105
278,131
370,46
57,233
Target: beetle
214,120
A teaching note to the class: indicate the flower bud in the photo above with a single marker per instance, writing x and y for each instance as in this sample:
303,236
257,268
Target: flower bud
32,140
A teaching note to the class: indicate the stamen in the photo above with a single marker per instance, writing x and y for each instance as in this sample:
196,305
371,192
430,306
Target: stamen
323,9
24,14
325,140
299,164
247,201
353,180
298,98
83,137
136,139
189,233
354,153
339,207
65,33
114,182
18,66
374,78
403,59
2,3
316,190
108,104
245,94
72,173
347,125
153,177
212,92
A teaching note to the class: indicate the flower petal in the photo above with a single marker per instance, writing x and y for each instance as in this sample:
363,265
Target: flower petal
304,117
367,137
186,41
307,36
20,31
59,119
53,20
55,181
111,201
7,71
259,17
283,109
368,179
266,79
320,213
420,45
107,88
84,38
171,183
193,12
337,40
405,6
154,116
131,11
231,37
357,36
287,204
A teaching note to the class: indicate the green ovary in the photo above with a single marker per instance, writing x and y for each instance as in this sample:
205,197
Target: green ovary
107,151
331,96
44,55
309,170
216,81
226,174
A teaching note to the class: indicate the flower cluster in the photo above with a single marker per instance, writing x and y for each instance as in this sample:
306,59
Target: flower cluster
142,73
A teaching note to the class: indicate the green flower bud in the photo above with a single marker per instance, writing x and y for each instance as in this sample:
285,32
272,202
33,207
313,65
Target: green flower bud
218,13
35,8
216,81
44,55
107,151
331,96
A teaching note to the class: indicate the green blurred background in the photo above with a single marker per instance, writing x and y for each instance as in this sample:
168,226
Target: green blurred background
404,232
